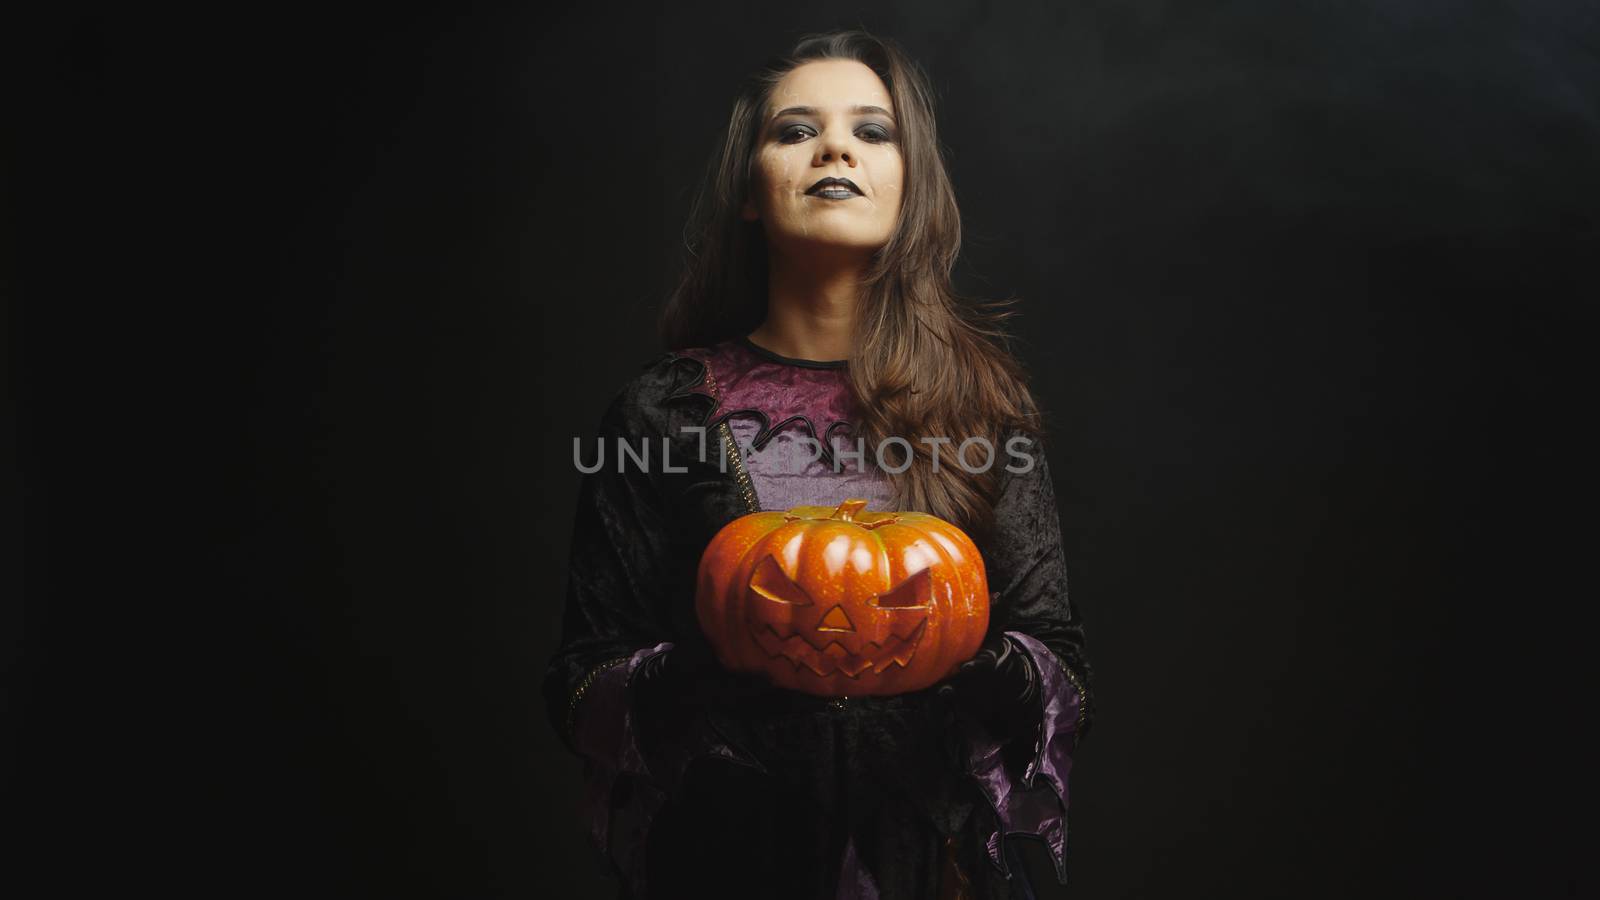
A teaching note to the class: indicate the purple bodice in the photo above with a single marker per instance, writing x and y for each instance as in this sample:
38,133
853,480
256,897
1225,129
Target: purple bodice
794,423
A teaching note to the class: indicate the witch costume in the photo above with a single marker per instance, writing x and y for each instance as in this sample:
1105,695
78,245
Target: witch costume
704,783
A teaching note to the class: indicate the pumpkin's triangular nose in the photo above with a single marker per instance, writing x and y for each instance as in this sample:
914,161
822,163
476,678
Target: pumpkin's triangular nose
836,620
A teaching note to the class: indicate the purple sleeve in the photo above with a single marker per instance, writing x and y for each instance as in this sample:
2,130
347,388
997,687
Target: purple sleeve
1034,802
604,735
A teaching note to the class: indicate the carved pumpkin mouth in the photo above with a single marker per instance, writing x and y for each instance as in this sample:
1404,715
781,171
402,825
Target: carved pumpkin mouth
833,656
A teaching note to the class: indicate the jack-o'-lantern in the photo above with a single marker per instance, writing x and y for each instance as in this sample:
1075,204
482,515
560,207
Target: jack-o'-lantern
843,601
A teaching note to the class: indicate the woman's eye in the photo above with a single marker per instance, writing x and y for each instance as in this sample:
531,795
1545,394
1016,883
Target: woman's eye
874,134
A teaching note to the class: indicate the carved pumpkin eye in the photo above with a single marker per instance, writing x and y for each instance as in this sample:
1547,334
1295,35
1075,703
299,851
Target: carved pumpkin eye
909,594
771,582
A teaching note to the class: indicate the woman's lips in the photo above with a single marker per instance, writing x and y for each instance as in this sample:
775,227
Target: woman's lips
834,188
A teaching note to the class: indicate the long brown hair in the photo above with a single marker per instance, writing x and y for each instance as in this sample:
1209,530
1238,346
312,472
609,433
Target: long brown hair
925,361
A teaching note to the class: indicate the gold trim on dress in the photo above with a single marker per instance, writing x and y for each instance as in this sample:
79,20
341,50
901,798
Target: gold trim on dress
583,688
747,488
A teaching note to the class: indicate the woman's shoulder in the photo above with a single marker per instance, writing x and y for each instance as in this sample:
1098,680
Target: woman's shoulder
670,375
644,400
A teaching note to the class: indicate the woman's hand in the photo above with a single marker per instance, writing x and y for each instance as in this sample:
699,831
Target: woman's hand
672,690
998,689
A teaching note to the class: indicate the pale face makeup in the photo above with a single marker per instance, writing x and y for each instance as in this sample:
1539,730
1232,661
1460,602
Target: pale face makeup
828,118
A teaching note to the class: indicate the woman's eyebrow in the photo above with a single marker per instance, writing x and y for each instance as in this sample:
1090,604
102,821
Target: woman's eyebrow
811,111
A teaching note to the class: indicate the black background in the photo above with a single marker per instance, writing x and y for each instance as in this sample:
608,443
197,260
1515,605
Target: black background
310,304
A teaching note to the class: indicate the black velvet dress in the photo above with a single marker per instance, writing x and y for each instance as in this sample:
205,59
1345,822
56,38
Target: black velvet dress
785,794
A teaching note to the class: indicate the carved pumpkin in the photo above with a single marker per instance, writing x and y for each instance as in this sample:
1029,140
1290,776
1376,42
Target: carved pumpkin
840,601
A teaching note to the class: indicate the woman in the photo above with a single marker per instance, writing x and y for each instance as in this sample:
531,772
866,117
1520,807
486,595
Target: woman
816,303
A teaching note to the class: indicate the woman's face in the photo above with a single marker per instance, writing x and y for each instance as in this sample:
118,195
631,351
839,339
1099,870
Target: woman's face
827,118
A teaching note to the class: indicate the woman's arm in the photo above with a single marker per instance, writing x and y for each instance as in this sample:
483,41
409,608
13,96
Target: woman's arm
619,686
1027,568
1036,664
615,580
614,623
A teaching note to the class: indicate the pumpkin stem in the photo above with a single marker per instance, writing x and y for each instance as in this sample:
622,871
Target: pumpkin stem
848,509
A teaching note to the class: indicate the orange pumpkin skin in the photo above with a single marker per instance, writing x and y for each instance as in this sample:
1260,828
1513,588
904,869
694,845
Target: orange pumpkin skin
842,601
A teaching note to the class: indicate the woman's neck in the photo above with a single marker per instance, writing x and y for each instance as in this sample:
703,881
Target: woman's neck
810,310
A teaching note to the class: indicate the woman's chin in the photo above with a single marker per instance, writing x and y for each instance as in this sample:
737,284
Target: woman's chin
834,240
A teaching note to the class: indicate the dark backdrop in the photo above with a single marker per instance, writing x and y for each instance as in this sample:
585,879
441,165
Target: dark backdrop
311,303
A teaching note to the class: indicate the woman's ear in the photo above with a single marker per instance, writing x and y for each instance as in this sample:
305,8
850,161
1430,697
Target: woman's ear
748,211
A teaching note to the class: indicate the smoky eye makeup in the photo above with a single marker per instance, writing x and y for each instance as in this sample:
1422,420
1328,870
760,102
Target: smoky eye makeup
875,132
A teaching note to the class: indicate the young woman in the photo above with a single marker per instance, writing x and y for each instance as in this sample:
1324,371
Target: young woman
816,318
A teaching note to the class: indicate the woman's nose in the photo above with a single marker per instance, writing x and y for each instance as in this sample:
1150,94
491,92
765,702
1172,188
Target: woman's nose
833,148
